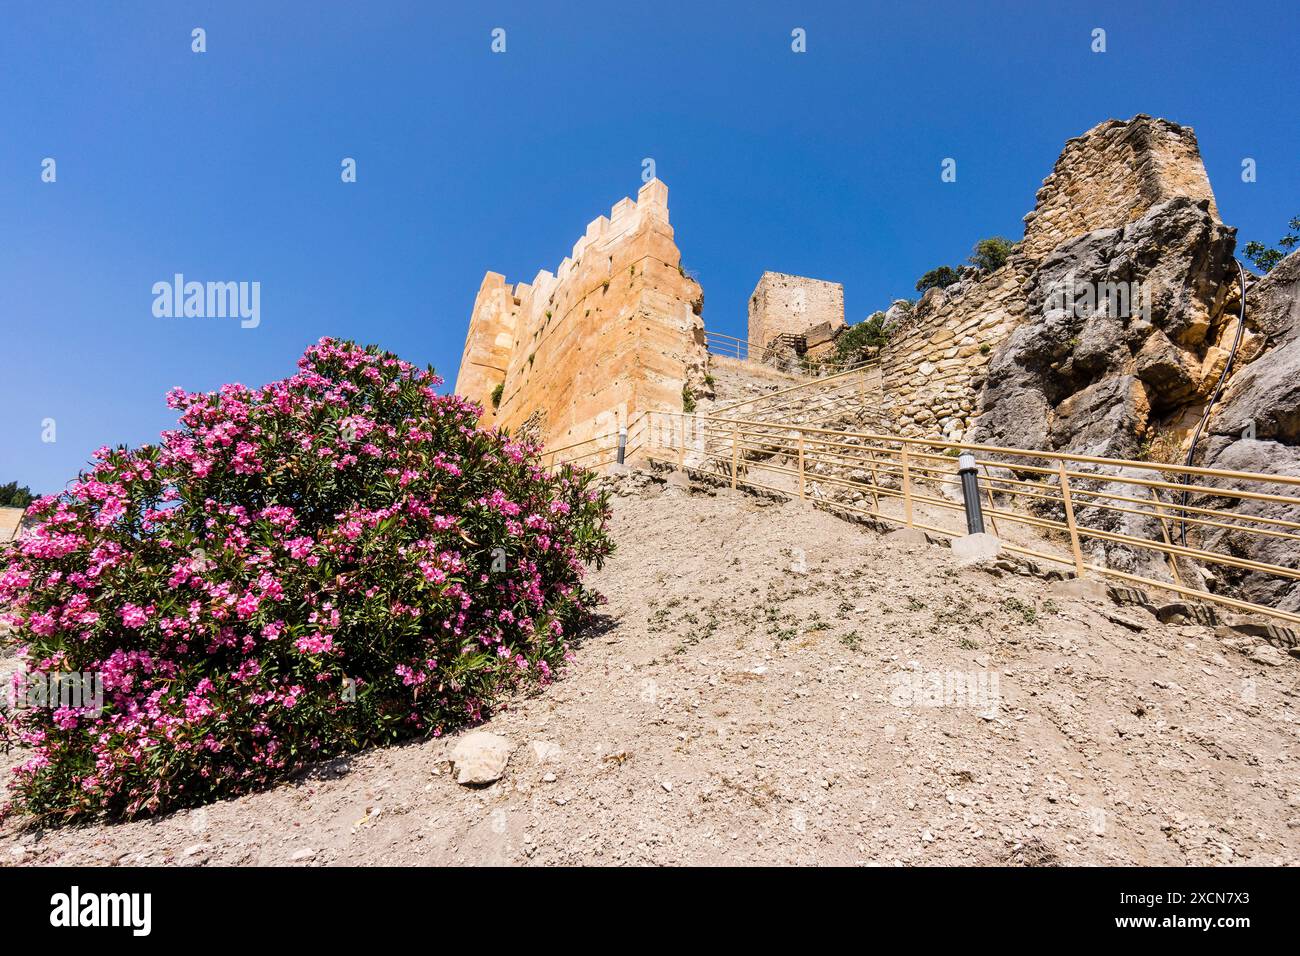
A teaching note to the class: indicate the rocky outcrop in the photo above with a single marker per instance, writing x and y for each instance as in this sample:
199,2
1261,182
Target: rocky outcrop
1263,396
1123,332
1256,427
1092,224
1106,334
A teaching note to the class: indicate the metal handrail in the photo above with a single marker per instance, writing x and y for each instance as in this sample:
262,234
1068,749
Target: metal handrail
730,346
725,443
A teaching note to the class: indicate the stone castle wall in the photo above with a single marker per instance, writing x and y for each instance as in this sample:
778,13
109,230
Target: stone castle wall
934,365
936,362
11,520
616,330
783,303
1112,175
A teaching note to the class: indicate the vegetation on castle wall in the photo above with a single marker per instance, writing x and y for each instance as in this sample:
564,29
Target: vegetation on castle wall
855,342
331,561
1264,257
990,254
939,278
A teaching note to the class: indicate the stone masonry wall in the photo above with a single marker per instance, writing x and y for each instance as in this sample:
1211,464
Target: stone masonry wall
936,362
10,521
783,303
934,365
1112,175
615,331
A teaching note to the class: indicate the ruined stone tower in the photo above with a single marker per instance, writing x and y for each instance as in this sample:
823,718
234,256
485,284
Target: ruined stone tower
936,365
793,305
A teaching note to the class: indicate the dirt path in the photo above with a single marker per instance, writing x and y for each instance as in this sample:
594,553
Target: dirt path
769,688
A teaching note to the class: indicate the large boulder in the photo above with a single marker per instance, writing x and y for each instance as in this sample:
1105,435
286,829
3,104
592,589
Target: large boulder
1120,331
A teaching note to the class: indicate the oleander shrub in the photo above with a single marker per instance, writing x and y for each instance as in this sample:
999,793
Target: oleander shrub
332,561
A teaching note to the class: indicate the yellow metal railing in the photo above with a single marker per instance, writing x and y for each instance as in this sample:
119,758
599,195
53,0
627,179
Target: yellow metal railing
1072,500
729,346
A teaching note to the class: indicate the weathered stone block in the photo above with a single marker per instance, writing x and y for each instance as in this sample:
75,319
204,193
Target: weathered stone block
974,548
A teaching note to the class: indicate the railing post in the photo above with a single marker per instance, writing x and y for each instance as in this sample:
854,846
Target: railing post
801,481
988,490
1069,518
907,488
735,452
681,445
1164,530
622,444
875,480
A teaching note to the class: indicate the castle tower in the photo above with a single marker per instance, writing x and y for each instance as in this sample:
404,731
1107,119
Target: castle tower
616,330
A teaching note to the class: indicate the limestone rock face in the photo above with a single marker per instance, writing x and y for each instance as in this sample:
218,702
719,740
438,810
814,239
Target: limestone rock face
1127,201
897,312
1269,457
1266,392
1263,400
1106,333
1119,326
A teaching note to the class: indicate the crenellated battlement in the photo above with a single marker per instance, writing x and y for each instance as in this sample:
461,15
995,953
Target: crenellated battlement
616,328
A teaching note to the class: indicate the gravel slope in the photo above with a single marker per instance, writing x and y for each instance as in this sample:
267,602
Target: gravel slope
757,694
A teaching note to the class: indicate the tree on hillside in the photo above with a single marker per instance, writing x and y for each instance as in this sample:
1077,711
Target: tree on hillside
11,496
989,254
1266,258
937,279
854,342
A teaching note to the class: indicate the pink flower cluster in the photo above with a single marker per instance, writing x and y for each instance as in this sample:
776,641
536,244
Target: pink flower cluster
296,571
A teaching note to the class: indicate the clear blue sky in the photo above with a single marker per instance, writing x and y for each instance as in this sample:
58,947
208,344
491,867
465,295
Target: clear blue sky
225,165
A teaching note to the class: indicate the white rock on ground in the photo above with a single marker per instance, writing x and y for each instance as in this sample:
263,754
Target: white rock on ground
480,757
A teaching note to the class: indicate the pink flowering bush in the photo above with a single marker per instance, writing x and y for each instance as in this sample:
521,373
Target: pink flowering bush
332,561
